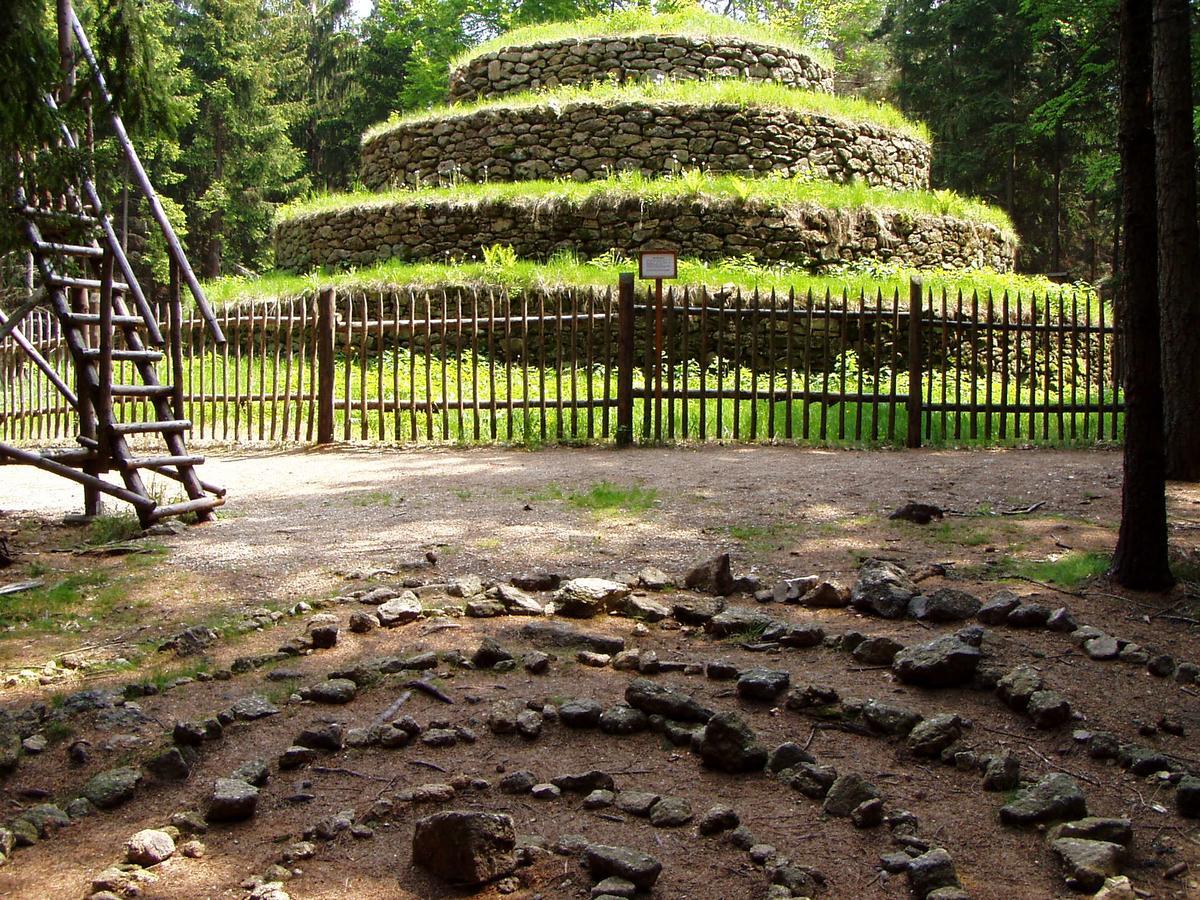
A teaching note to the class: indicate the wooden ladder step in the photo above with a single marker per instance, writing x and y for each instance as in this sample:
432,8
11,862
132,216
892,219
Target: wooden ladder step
88,283
126,355
204,504
69,249
141,390
151,427
59,215
158,462
94,319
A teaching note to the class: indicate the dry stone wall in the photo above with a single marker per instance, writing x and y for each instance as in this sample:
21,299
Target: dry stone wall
644,57
695,227
589,140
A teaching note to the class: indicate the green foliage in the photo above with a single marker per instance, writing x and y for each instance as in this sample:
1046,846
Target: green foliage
607,496
113,529
237,156
720,92
770,191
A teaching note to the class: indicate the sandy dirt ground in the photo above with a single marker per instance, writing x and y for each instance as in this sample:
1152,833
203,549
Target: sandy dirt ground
312,525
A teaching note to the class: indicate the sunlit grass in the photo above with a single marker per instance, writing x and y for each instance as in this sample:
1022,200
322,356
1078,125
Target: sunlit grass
759,193
1068,571
717,92
692,22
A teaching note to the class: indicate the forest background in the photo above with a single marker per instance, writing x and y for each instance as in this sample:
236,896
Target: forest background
246,104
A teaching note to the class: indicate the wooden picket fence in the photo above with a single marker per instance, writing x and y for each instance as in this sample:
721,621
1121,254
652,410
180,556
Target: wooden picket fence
588,365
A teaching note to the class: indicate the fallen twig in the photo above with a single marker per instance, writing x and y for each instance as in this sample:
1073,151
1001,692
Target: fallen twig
431,689
426,765
21,586
339,770
1026,511
1055,765
1048,586
390,712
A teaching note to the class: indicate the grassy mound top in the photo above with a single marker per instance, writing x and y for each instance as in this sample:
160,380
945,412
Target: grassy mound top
693,23
500,268
718,92
767,192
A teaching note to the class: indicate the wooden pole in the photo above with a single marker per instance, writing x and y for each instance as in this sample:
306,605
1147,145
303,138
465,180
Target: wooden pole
625,323
325,371
915,302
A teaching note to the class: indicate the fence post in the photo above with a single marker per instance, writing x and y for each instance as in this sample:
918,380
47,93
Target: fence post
916,301
625,322
325,366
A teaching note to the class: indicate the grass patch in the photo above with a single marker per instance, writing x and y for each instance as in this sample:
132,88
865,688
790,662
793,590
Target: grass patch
602,496
762,538
693,22
770,192
568,270
719,92
1068,571
113,529
373,498
43,608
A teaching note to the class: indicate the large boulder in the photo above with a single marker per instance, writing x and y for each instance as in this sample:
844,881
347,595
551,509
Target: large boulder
943,662
728,744
883,589
465,847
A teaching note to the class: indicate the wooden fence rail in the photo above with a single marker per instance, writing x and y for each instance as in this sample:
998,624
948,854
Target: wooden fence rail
578,365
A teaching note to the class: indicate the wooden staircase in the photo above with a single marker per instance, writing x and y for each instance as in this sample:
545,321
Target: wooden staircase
106,318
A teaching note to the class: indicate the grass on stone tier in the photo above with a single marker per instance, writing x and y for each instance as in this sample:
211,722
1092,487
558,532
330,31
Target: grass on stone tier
717,92
567,270
772,191
694,22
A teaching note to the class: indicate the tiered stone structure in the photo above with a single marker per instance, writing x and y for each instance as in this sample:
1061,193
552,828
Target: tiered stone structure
644,57
585,140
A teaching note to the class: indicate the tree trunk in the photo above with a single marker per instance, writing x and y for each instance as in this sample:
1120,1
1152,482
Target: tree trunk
1140,561
1179,237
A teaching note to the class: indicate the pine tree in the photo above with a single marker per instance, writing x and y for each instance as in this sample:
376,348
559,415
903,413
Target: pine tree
238,160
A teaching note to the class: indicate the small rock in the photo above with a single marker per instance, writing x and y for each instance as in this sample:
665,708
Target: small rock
877,651
996,610
232,801
399,610
827,595
1187,797
868,814
944,605
1102,648
583,598
1002,773
786,756
718,819
933,735
713,576
670,812
729,745
762,684
583,713
593,660
889,719
599,800
361,622
883,589
248,709
1055,798
535,662
546,792
149,847
465,847
943,662
930,872
517,783
1088,863
846,793
604,861
1048,709
1062,621
584,782
333,691
1029,615
489,653
112,788
623,719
